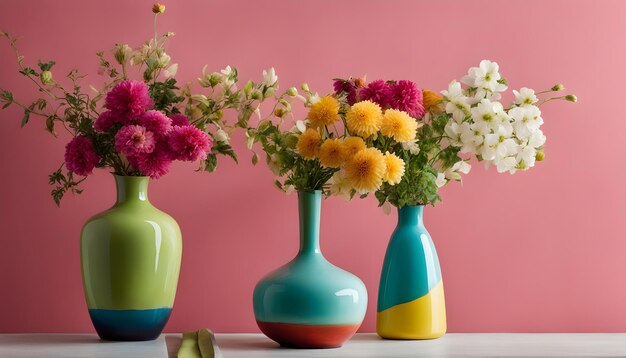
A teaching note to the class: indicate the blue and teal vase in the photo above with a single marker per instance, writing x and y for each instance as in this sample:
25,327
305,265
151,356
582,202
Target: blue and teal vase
411,302
130,257
309,302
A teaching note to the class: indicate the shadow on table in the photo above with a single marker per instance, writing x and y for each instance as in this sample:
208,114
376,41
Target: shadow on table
50,339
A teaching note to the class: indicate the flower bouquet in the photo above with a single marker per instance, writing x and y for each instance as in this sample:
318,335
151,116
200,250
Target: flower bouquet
431,138
136,128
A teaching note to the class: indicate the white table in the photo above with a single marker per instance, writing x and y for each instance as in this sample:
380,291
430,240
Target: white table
457,345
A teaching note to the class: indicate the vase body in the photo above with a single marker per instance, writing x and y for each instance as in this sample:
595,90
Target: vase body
309,302
411,302
130,258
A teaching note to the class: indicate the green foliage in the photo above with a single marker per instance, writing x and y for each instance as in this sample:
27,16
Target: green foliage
165,99
63,183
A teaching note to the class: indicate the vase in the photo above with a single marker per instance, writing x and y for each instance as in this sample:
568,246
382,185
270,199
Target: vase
309,302
411,302
130,258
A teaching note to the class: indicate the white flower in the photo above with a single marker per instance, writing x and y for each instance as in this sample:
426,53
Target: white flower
525,96
473,138
300,126
339,185
506,164
454,173
412,147
269,77
163,60
526,120
537,139
525,157
289,189
499,144
490,113
313,99
170,71
457,104
226,71
222,136
441,180
485,76
454,131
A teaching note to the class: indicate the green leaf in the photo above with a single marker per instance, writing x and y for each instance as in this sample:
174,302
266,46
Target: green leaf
50,124
26,117
210,163
46,66
27,71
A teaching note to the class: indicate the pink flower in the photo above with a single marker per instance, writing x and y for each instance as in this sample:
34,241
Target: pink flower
155,164
407,97
179,120
348,87
378,91
132,140
189,143
156,122
129,99
80,157
105,121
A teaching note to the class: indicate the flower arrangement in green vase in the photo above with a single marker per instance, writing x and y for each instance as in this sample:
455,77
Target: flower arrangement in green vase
135,128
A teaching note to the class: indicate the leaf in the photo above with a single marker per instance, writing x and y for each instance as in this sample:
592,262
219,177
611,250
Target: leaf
26,117
46,66
27,71
210,163
50,124
255,158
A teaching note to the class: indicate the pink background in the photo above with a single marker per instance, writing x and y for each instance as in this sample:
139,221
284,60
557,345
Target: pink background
541,251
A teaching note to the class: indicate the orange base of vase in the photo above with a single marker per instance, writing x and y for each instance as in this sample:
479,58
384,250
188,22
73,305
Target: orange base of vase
308,335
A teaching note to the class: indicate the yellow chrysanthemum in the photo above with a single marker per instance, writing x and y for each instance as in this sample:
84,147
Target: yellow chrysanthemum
364,118
431,100
330,153
394,170
350,146
399,126
365,171
308,142
324,112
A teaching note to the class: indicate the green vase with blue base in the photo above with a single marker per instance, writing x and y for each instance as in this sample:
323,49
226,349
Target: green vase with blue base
309,302
130,258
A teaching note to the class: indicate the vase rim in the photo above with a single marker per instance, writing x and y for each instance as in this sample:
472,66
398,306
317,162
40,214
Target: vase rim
130,176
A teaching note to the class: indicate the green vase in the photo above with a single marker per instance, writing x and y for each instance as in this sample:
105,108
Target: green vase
309,302
130,258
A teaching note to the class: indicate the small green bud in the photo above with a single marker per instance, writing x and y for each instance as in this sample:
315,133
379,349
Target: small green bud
248,88
557,87
256,94
46,77
292,92
305,87
122,53
214,79
280,112
571,98
269,92
540,156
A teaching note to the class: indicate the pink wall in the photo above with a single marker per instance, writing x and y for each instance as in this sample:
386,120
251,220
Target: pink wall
543,250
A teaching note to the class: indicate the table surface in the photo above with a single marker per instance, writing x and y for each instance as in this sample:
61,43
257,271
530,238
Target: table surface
457,345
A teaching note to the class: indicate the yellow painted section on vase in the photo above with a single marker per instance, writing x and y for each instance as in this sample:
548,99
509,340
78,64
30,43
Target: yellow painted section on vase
422,318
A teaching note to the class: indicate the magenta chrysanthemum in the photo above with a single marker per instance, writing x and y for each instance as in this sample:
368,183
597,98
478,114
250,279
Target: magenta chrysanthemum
105,121
179,120
348,87
156,122
189,143
407,97
133,140
378,92
129,99
80,157
155,164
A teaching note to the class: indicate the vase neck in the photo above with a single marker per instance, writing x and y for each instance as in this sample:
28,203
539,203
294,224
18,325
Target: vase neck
131,189
411,215
309,206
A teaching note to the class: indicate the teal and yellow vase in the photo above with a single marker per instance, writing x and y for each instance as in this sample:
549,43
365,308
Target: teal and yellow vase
411,303
309,302
130,257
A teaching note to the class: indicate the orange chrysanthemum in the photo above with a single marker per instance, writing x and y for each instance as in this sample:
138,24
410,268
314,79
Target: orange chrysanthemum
308,143
324,112
365,171
330,154
364,118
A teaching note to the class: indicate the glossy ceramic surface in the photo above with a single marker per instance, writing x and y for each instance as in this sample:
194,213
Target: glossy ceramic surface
130,257
309,297
411,302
